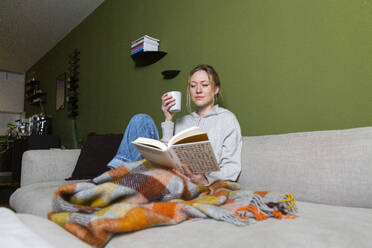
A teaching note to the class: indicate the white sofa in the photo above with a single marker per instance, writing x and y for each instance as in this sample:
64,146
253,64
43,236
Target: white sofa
328,172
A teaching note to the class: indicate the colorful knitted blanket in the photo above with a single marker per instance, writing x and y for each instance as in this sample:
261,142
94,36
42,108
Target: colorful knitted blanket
137,196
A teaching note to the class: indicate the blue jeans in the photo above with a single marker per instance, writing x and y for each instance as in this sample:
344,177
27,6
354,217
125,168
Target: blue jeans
141,125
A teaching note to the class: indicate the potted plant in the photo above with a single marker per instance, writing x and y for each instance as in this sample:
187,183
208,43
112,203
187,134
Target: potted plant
5,145
5,140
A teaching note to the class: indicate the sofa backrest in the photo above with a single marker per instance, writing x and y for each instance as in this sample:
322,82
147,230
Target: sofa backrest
330,167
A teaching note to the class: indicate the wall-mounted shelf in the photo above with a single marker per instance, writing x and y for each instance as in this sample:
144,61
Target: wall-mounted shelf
37,101
36,95
33,94
147,58
32,83
169,74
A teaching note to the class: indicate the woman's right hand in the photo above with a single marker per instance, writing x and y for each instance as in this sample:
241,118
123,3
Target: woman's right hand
167,102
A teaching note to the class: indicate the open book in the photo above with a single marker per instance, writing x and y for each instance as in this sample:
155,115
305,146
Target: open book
191,147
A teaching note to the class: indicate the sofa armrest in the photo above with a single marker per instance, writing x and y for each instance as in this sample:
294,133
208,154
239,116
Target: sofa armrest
47,165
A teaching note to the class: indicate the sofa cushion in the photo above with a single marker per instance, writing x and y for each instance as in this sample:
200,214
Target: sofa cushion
318,225
51,232
331,167
98,150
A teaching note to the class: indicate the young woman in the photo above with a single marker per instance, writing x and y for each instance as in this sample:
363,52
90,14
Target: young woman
220,124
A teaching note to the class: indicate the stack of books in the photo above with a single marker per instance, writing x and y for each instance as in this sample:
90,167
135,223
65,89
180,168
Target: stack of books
144,44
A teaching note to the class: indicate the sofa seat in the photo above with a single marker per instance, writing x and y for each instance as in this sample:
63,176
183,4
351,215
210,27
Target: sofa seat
36,198
317,225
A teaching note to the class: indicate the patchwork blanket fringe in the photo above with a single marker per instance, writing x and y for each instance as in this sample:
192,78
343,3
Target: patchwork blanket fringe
137,196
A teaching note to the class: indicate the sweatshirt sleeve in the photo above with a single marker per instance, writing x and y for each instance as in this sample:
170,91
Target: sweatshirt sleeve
167,128
230,166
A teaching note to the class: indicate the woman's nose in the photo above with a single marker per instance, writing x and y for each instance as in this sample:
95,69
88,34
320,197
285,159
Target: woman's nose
198,88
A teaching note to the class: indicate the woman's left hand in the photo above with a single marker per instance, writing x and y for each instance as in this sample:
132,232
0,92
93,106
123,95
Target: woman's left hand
195,178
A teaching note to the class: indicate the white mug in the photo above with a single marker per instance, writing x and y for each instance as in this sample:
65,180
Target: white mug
177,96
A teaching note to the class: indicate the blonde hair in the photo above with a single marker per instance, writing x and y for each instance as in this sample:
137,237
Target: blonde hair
212,76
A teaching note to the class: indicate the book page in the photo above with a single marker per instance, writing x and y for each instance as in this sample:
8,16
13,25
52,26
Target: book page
189,132
157,156
151,142
199,156
194,138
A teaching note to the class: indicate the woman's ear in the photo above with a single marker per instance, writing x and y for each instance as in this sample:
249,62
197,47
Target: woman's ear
217,90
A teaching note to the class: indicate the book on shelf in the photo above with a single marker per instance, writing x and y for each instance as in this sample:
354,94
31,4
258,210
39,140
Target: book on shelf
141,50
144,42
145,48
146,39
191,147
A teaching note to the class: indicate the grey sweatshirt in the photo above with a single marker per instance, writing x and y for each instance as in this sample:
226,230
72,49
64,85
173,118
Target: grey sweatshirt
224,133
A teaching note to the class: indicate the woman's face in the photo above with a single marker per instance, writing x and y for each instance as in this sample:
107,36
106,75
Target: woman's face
202,90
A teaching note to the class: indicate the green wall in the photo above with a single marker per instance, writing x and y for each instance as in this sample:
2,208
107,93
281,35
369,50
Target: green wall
285,66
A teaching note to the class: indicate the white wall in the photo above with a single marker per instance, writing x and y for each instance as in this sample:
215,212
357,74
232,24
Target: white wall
12,90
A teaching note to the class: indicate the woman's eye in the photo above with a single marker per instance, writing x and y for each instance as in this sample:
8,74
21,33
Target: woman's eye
192,85
205,85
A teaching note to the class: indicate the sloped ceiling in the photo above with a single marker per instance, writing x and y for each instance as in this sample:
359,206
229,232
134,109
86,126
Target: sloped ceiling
30,28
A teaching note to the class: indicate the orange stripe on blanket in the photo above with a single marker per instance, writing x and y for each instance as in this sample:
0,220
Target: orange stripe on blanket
155,218
277,214
118,172
66,189
254,210
261,193
165,208
134,220
218,184
186,194
85,207
229,201
84,234
290,216
221,192
50,215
